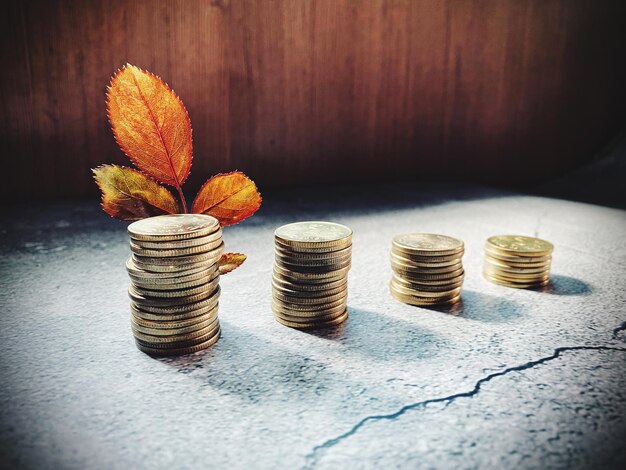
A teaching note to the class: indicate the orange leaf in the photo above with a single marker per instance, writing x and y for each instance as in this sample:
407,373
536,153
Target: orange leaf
230,261
128,194
229,197
150,124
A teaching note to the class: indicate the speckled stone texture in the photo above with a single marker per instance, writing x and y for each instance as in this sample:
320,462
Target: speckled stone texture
506,379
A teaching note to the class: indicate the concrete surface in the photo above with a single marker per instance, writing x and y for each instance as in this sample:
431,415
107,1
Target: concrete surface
507,379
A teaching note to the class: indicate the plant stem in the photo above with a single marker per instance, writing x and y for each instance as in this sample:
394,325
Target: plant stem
182,199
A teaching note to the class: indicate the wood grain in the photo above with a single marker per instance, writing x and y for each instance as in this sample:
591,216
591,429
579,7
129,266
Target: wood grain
303,92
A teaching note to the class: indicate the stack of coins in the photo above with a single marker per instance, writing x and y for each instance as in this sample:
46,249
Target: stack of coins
427,269
174,283
310,279
517,261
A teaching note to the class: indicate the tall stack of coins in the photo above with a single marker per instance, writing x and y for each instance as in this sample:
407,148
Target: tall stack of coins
174,283
310,279
517,261
427,269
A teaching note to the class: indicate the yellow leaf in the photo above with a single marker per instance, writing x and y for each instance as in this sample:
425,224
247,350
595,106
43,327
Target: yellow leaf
230,261
229,197
128,194
150,124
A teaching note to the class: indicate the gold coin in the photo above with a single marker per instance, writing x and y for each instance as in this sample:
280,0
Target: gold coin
516,277
516,285
161,314
336,310
405,263
169,294
308,307
206,321
520,245
178,244
518,259
415,287
330,255
308,293
173,269
333,322
311,277
164,253
519,262
313,234
407,271
306,310
301,300
134,270
427,275
313,269
164,322
173,227
209,257
288,285
145,302
176,339
312,262
426,244
427,282
423,301
179,351
313,249
192,341
496,266
404,257
425,293
168,279
175,286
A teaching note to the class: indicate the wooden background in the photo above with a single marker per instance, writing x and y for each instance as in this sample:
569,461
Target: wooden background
304,92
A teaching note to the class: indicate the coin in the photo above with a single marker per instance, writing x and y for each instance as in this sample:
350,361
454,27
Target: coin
404,257
209,257
178,252
313,249
150,301
167,340
279,288
186,292
517,277
289,285
403,262
491,264
517,285
514,262
313,262
310,315
519,244
173,227
333,322
168,280
178,244
301,300
425,244
163,314
293,307
311,277
164,323
314,233
152,285
426,293
416,287
313,255
180,351
424,301
433,273
409,282
193,339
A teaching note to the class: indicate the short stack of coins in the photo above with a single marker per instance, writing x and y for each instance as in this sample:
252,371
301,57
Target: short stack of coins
310,278
174,283
426,269
517,261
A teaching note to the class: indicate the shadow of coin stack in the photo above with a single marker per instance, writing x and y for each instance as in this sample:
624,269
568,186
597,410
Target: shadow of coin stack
310,278
517,261
174,283
427,269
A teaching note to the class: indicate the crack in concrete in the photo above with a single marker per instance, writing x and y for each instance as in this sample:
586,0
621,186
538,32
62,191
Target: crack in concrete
617,330
312,457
